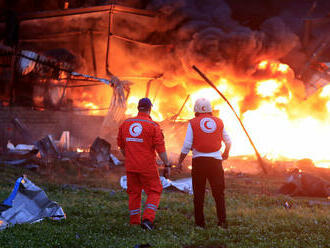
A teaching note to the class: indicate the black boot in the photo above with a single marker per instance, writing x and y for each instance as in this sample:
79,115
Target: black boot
147,225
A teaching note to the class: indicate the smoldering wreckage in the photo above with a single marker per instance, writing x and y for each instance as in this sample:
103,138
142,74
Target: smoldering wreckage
44,91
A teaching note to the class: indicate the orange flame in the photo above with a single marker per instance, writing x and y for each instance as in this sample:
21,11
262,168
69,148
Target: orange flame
80,150
280,122
268,87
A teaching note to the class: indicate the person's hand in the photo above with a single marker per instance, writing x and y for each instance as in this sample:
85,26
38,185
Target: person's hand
167,172
179,166
225,156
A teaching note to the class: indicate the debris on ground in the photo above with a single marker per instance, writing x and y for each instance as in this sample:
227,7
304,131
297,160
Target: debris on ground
28,204
47,148
100,153
18,157
303,184
182,185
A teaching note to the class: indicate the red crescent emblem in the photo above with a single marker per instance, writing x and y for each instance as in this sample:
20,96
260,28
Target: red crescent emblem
208,125
133,129
205,125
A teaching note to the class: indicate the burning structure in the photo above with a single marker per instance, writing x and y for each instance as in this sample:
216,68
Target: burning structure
271,60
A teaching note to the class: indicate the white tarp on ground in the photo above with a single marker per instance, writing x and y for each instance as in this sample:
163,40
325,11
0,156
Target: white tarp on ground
28,204
184,184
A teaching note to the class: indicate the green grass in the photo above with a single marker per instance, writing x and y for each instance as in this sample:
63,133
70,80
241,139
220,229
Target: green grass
95,218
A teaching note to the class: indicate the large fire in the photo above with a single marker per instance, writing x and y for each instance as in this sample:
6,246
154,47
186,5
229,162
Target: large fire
281,124
163,39
278,124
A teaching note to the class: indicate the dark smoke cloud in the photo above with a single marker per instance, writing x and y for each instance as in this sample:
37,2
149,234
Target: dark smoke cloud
205,34
223,38
217,35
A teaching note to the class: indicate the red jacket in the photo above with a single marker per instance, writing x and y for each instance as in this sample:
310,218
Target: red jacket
140,137
207,133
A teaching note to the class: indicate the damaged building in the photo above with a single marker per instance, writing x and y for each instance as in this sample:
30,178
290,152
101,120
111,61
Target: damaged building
49,80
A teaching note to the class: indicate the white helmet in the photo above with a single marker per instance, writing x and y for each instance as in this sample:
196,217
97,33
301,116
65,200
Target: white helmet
202,105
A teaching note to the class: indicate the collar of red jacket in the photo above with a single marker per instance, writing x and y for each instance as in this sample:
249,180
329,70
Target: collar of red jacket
144,115
203,114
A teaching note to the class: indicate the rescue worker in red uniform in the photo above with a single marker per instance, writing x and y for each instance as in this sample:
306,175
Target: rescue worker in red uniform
138,139
205,134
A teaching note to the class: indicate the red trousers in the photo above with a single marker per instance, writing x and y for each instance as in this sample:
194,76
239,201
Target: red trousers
152,186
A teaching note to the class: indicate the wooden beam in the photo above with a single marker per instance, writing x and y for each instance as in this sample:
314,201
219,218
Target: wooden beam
104,8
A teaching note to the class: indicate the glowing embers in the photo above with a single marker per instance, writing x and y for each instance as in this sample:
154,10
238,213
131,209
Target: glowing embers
81,150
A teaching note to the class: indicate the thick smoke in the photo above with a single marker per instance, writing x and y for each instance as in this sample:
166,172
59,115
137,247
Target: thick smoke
223,38
205,34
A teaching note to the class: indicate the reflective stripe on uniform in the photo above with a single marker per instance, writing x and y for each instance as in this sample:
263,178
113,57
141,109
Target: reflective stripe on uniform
142,120
134,140
151,206
134,212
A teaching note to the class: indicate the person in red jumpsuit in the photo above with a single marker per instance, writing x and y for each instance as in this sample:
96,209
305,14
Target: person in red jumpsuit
139,139
205,135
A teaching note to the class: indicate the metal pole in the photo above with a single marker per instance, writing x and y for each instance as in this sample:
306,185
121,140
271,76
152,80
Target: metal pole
213,86
179,112
108,41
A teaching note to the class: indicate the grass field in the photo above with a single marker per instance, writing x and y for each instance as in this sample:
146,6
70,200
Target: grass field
99,217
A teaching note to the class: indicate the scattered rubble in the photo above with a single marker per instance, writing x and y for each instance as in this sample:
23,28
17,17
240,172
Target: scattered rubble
48,152
100,153
18,157
303,184
48,148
